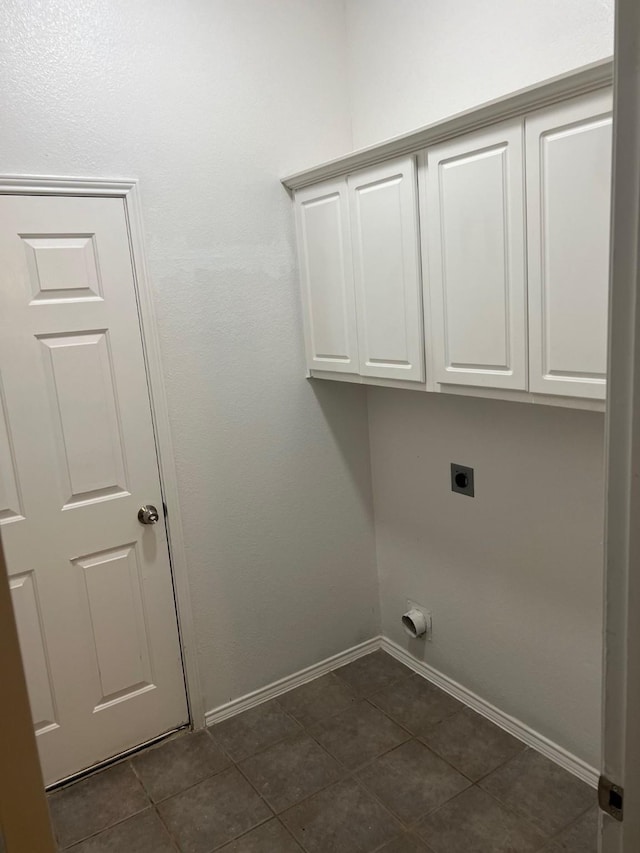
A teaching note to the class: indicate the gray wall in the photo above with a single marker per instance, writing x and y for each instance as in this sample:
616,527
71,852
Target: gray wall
513,577
412,62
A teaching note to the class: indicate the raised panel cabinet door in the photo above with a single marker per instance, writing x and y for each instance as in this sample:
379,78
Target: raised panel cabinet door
476,258
326,277
91,586
383,209
568,165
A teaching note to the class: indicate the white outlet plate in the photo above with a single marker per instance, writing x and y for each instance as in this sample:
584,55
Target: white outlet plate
427,615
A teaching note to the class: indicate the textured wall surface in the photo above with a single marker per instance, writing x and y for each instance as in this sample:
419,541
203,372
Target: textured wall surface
208,102
412,62
513,577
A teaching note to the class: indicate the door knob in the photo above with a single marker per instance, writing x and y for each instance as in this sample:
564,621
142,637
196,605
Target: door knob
148,514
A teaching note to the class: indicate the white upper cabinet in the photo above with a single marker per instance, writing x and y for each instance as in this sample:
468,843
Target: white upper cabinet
476,258
568,166
359,253
486,273
383,208
326,272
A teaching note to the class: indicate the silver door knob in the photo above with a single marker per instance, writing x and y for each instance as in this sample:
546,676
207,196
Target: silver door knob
148,514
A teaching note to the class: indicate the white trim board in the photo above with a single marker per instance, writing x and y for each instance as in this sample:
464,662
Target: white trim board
128,190
520,730
283,685
595,75
515,727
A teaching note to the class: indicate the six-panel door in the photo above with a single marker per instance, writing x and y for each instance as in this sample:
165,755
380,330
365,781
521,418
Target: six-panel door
326,273
568,166
476,258
91,586
383,209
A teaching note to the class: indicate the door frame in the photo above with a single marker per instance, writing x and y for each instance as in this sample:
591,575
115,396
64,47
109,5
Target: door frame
128,190
621,664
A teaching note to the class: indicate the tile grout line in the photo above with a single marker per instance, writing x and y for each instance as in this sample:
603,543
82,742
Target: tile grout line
260,749
303,731
242,834
522,815
304,799
259,793
485,775
115,823
290,834
154,806
189,787
170,835
349,776
413,825
411,737
341,682
144,787
85,838
567,826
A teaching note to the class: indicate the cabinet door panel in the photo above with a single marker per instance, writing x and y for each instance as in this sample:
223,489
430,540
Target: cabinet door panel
326,272
476,264
385,239
568,151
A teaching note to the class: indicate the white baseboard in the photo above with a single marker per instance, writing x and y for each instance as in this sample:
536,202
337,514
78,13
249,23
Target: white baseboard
276,688
520,730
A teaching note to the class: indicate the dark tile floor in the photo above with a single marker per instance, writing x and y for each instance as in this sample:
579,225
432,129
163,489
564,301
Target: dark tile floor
368,758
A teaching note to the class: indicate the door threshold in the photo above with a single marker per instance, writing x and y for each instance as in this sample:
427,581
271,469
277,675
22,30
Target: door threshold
120,756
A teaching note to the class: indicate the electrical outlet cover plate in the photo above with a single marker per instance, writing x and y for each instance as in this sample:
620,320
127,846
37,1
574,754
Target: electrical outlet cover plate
462,480
413,605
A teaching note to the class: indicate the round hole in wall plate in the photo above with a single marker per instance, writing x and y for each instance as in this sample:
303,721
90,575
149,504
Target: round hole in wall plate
461,480
414,623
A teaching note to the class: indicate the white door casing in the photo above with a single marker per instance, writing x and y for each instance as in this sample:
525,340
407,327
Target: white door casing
476,263
326,274
568,174
383,210
92,587
621,684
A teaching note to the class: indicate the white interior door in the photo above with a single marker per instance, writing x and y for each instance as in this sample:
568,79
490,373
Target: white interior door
326,276
91,585
383,209
476,258
568,165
